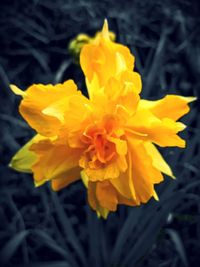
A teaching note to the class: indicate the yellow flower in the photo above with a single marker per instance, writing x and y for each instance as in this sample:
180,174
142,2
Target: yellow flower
109,140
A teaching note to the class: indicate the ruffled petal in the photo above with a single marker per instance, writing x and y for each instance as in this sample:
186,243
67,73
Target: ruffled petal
109,171
24,159
157,160
43,106
163,132
54,161
106,195
121,145
144,174
66,178
104,58
124,182
94,203
123,91
171,106
120,95
103,197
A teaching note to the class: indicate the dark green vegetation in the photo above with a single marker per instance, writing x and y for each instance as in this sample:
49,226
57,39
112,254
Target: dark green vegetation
40,228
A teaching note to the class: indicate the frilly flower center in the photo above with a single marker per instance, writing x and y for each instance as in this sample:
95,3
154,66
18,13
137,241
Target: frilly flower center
99,149
99,143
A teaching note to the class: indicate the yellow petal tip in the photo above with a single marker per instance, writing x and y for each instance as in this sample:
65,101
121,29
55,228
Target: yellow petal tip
191,98
105,30
39,183
84,178
103,213
155,196
16,90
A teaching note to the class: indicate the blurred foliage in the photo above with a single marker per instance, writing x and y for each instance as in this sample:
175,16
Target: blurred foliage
41,228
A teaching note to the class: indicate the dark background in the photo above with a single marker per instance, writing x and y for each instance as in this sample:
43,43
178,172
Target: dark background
41,228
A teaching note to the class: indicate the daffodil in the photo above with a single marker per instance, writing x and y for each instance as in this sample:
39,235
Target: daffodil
108,140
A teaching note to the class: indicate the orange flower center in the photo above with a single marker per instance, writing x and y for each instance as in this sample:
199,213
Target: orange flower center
99,149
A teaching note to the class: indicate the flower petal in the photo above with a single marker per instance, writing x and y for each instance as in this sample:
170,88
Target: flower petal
94,203
124,182
66,178
54,161
157,159
123,91
144,174
171,106
17,90
109,171
106,195
24,159
38,105
163,132
104,58
121,145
